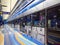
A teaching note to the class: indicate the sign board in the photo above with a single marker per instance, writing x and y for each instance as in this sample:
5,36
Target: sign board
34,32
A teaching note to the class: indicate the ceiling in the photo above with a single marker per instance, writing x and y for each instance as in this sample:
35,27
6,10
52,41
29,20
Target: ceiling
10,4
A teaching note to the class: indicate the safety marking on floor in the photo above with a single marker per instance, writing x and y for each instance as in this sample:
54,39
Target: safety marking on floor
19,40
1,39
26,41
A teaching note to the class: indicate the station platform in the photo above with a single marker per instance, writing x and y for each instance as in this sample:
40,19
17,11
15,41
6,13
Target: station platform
12,37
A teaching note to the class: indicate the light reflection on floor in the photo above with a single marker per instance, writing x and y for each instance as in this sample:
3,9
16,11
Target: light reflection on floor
12,37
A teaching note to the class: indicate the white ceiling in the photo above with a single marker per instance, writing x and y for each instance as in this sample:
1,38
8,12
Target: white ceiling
10,4
7,3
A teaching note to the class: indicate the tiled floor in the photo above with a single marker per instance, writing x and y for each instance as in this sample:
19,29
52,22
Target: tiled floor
12,37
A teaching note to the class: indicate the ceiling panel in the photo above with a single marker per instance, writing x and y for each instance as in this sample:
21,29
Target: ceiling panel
6,3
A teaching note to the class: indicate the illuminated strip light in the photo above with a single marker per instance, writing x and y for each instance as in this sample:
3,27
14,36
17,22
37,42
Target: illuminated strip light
33,4
23,6
16,7
21,9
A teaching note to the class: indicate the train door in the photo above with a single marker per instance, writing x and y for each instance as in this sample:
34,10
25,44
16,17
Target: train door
28,24
22,25
35,24
38,26
17,26
41,29
54,25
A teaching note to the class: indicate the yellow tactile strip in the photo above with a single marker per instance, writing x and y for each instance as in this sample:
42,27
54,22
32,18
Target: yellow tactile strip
1,39
16,36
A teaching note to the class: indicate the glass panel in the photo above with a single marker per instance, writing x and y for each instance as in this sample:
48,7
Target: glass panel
54,25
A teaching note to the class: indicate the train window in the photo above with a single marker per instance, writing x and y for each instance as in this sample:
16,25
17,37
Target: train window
42,19
28,20
52,15
22,24
54,18
35,19
58,17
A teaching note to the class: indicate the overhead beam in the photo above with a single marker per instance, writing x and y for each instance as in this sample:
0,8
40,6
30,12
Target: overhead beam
6,13
1,12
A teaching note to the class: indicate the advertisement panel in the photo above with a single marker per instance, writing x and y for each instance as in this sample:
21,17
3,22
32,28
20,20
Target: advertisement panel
41,35
40,30
34,32
28,28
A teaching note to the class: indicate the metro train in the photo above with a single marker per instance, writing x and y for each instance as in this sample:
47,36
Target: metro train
37,18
